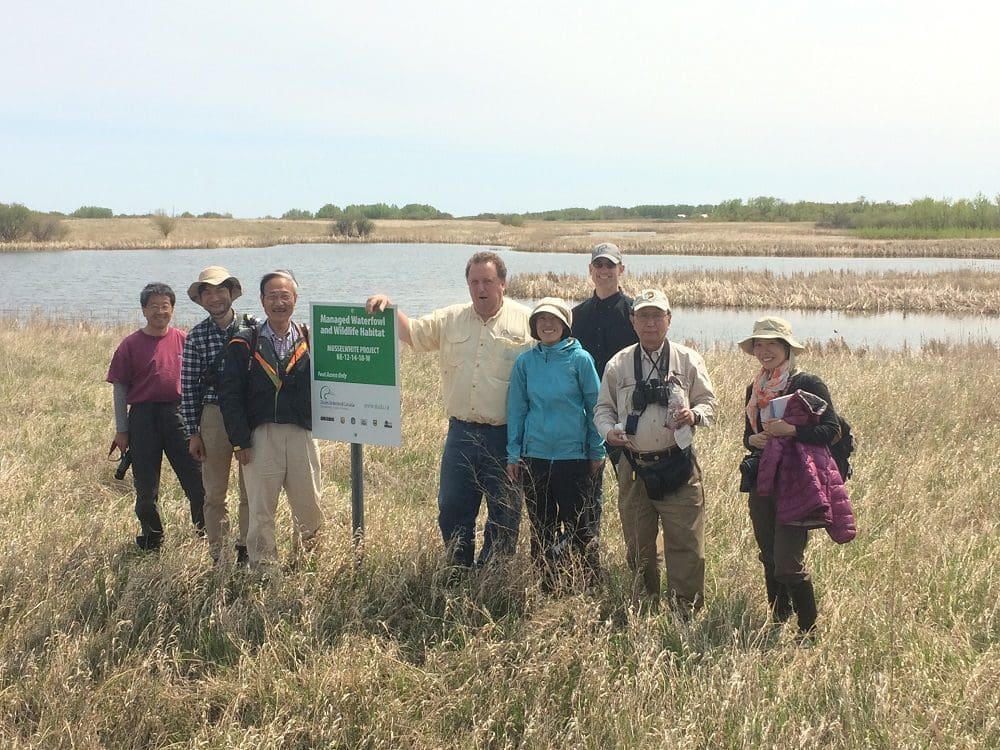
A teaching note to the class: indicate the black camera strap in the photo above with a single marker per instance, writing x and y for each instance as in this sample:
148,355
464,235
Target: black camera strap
211,373
661,365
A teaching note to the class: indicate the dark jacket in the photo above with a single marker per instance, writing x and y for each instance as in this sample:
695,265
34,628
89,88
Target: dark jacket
249,397
604,327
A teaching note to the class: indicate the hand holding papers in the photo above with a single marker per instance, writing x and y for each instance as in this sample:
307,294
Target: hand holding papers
776,408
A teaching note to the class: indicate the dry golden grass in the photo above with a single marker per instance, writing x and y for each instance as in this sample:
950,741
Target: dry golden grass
957,292
677,238
101,647
134,233
740,239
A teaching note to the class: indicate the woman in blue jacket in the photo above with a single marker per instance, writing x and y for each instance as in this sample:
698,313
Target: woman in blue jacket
553,448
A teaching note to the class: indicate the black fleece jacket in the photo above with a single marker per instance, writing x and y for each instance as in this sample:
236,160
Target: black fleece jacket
248,398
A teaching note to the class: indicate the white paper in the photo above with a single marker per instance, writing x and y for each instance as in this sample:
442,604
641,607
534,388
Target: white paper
776,408
684,436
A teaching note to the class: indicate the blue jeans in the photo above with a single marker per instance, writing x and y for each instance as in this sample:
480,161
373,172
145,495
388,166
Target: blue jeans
475,464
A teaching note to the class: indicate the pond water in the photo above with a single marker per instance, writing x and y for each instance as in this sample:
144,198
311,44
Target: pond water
103,286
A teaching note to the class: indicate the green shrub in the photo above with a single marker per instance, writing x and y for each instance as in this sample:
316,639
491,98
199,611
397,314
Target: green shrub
92,212
46,228
329,211
355,225
15,221
296,214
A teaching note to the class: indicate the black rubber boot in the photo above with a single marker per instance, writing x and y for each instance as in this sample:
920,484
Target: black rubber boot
778,599
804,601
149,542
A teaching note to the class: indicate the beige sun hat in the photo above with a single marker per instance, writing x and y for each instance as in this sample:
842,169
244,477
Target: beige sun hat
651,298
553,306
215,275
771,327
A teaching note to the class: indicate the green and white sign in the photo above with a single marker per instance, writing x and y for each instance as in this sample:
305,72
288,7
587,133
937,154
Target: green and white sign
355,377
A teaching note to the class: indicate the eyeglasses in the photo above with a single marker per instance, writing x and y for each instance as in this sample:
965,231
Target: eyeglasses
658,317
279,297
158,308
603,263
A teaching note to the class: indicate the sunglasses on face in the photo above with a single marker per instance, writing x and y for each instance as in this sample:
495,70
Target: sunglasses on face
603,263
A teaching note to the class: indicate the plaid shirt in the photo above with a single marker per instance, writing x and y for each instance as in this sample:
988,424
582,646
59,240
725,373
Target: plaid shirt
282,344
204,342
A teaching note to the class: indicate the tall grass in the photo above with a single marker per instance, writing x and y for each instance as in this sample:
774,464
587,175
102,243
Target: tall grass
103,647
960,292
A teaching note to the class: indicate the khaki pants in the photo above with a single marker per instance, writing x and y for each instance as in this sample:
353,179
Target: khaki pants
215,473
283,455
682,517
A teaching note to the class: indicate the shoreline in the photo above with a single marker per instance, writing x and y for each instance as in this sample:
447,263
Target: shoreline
793,239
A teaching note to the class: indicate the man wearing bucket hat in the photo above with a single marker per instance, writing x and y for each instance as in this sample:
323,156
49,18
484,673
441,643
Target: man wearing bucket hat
215,290
553,446
603,326
653,396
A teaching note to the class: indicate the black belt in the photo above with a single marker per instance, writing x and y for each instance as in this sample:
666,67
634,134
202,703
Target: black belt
654,456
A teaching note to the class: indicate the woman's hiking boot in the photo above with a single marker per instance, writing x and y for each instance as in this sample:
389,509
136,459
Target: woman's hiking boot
804,601
779,601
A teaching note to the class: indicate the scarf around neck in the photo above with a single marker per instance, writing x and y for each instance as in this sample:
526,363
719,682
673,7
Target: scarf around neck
765,387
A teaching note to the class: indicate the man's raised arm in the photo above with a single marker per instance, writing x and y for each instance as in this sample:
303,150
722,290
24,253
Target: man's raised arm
378,303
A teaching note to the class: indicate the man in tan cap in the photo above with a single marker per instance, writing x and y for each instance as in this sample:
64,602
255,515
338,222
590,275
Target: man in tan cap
653,396
204,350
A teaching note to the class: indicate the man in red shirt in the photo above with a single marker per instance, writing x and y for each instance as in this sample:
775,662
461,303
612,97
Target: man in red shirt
146,374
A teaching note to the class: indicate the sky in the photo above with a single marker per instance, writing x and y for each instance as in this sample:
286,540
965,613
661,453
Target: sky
254,108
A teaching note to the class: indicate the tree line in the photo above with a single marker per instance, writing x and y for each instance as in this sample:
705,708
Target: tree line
418,211
922,217
926,214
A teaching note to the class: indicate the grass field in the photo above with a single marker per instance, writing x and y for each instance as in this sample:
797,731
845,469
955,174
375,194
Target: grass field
103,647
634,237
957,292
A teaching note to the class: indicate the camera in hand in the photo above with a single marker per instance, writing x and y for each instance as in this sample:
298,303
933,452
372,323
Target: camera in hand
123,463
648,392
748,471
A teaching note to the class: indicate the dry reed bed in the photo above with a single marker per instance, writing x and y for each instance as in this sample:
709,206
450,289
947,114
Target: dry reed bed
676,238
958,292
102,647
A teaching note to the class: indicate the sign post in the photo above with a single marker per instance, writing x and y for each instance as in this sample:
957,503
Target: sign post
355,387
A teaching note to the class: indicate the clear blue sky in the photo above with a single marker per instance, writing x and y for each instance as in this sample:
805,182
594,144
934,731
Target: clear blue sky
256,107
